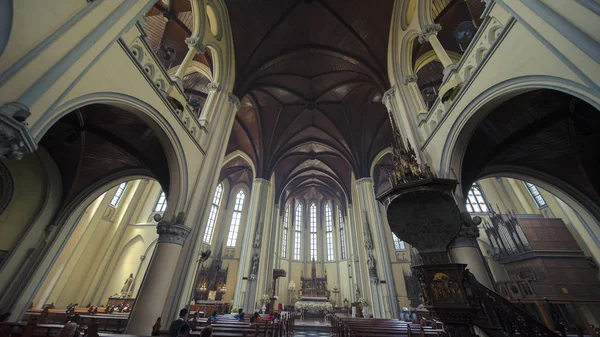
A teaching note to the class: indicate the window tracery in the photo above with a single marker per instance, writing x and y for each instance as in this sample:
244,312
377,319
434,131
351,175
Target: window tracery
212,216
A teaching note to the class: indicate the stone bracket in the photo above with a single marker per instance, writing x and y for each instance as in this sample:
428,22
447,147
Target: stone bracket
15,139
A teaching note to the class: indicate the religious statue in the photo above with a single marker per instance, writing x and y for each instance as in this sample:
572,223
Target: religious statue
255,264
356,290
127,286
258,235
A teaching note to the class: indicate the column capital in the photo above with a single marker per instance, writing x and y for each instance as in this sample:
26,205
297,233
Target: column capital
428,30
195,42
15,139
388,95
171,232
233,99
262,181
409,79
364,181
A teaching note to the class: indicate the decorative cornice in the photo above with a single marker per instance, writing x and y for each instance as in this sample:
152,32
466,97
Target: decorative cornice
388,95
171,232
428,30
196,43
409,79
15,139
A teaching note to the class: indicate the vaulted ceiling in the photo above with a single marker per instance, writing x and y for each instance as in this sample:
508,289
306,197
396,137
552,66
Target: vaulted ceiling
311,74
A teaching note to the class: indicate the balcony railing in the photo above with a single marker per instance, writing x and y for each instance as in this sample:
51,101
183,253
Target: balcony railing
483,44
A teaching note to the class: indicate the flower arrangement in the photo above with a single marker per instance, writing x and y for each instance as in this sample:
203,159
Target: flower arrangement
265,299
313,307
363,302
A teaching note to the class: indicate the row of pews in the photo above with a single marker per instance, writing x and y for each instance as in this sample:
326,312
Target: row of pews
345,326
55,322
51,322
229,326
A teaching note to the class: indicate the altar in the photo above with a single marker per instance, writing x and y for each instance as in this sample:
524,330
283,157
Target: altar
314,295
314,287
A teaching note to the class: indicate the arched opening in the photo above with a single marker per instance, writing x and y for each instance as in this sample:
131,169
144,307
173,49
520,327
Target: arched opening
87,152
103,262
534,155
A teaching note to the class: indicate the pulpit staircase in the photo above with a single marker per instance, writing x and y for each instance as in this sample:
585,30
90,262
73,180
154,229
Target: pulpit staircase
499,317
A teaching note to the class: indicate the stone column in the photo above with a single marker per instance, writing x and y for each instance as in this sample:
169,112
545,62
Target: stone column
222,106
245,290
195,46
380,269
155,288
429,34
465,249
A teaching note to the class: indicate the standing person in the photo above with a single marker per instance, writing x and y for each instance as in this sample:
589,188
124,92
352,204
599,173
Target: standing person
177,324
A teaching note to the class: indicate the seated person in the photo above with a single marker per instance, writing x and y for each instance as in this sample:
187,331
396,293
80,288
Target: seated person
184,331
213,317
177,324
257,317
252,320
206,331
242,316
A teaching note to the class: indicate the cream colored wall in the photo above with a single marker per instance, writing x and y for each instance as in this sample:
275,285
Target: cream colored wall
104,249
29,191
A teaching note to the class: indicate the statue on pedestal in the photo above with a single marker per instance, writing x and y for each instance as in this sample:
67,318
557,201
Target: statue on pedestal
127,286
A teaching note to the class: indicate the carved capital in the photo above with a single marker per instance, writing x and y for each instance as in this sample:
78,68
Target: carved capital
234,100
427,31
171,232
15,139
388,95
196,43
409,79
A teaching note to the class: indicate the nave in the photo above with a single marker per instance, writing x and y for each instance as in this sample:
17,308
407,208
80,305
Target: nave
404,167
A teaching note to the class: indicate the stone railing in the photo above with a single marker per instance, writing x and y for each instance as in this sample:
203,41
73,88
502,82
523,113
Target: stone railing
473,59
157,76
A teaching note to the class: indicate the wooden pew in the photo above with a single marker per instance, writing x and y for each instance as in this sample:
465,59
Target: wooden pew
358,327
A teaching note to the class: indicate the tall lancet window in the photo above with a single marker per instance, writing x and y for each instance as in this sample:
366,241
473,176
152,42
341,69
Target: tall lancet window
286,218
475,201
535,194
313,232
212,216
298,232
329,232
235,219
398,244
161,203
342,238
118,194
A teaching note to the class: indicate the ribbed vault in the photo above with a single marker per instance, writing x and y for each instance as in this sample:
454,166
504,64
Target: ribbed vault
312,74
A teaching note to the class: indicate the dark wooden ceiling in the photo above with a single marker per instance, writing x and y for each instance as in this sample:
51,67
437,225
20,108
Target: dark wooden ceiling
97,141
311,74
545,130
